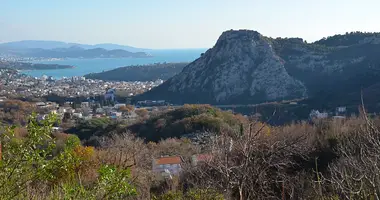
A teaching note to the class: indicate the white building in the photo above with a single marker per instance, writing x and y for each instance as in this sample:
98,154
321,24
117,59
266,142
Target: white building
318,115
171,164
341,109
118,105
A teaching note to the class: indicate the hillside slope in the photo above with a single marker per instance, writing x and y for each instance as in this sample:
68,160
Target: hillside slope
245,67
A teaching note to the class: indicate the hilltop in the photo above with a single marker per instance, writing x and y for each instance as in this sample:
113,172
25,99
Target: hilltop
245,67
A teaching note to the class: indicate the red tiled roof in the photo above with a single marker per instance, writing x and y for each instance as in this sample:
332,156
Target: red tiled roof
202,157
169,160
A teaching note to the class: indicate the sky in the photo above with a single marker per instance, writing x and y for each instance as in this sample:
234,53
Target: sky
166,24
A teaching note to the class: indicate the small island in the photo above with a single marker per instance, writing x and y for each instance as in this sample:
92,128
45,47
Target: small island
155,71
32,66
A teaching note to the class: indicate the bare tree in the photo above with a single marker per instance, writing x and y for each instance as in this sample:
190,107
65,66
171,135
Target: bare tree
252,165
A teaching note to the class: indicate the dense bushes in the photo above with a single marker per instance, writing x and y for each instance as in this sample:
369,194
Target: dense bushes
85,129
329,159
347,39
32,168
15,112
335,159
185,120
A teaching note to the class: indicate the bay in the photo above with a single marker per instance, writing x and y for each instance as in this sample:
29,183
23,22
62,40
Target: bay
86,66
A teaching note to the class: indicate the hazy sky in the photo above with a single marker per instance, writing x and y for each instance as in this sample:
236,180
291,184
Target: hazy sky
180,23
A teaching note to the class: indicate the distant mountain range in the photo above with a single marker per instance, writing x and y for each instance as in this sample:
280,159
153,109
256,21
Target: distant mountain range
245,67
42,44
25,51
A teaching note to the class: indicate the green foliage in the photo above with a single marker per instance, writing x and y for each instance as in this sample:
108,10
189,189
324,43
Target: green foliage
95,127
72,142
25,160
115,183
193,194
347,39
33,162
185,120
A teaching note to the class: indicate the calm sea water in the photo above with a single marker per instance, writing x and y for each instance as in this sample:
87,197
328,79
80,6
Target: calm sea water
86,66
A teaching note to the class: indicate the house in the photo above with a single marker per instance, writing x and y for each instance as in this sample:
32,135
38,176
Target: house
77,115
99,111
84,104
118,105
341,109
51,105
68,104
339,117
107,110
40,104
110,94
62,110
55,128
318,115
200,158
116,114
171,164
87,117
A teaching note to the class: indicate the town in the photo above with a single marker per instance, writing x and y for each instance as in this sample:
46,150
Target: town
82,98
14,83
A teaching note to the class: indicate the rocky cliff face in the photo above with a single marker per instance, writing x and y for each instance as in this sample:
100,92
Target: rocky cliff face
245,67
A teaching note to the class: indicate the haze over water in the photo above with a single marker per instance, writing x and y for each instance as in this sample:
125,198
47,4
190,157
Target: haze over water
86,66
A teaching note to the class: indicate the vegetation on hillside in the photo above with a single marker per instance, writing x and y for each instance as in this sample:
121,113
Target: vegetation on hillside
15,112
185,120
329,159
90,130
152,72
32,167
347,39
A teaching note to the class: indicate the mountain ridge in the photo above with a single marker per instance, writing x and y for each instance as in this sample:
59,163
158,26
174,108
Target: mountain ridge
51,44
247,67
73,52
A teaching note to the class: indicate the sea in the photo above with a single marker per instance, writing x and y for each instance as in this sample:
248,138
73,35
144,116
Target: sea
86,66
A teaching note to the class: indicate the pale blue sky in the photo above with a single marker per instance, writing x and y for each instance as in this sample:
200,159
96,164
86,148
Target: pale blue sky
180,23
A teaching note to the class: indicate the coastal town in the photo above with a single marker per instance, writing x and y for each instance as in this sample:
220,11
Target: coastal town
82,98
14,84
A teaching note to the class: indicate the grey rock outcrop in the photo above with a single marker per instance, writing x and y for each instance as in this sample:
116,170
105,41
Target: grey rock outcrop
245,67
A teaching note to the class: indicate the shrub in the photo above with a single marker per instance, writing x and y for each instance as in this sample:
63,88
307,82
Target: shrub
31,168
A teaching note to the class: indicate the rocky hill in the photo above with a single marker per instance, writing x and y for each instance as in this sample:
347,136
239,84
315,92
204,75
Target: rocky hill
245,67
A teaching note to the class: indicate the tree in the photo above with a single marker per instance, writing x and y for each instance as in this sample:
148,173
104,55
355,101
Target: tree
143,113
249,166
33,163
127,108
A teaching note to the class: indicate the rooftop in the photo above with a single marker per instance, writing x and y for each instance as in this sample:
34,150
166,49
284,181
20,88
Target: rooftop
169,160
